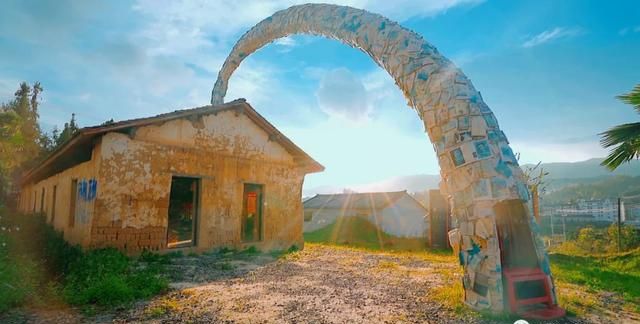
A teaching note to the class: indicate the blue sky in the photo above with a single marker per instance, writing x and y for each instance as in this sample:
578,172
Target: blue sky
550,70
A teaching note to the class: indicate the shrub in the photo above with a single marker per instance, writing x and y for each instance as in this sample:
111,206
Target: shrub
107,277
59,254
34,257
18,274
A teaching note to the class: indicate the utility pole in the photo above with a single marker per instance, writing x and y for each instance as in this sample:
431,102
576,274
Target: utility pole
619,225
564,229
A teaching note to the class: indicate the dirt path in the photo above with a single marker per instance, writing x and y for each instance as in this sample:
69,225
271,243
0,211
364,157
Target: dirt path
321,284
318,285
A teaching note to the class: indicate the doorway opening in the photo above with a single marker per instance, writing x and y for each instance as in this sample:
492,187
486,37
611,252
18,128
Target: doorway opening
183,212
516,242
53,204
42,201
439,224
252,212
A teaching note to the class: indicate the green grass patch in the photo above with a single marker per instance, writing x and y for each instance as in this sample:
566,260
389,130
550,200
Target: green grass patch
108,278
359,232
38,267
20,274
18,281
615,272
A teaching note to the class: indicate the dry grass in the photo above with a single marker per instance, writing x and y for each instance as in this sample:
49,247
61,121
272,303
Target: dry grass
162,307
450,293
576,299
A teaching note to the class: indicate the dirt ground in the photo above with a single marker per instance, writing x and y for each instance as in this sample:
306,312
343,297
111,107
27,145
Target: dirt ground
321,284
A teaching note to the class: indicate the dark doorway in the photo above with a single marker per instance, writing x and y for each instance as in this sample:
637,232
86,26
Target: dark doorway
438,220
72,203
514,233
53,204
252,213
183,212
42,201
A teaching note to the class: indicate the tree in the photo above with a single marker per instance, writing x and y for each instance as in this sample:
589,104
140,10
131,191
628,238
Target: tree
630,238
70,129
588,240
535,181
625,138
21,140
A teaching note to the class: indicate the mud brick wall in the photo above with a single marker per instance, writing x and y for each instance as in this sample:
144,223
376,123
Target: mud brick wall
129,239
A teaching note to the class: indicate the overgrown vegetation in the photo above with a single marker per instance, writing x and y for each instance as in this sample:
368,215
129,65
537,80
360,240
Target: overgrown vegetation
107,277
611,272
37,265
22,142
17,273
359,232
597,240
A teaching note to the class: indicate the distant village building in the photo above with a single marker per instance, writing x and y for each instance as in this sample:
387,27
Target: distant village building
602,210
198,179
395,213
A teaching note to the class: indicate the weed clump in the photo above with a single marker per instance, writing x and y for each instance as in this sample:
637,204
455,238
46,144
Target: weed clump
107,277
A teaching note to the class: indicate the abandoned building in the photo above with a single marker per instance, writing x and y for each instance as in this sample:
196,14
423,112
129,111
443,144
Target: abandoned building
395,213
197,179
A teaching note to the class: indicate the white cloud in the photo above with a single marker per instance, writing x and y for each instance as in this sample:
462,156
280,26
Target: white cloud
405,9
568,151
341,94
286,42
551,34
201,33
183,26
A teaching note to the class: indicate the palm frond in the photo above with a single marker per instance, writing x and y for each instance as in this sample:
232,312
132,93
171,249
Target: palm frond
632,98
626,139
621,134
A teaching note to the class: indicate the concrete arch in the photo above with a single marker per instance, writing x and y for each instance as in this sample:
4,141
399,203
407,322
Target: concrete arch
478,168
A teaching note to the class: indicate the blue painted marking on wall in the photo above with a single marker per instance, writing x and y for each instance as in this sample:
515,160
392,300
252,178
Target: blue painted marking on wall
87,190
93,189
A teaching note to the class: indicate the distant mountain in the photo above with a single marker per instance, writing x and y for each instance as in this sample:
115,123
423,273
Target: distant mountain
561,175
587,169
599,188
411,183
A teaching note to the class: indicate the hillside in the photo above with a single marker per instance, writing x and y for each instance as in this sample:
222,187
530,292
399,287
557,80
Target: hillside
599,188
587,169
588,180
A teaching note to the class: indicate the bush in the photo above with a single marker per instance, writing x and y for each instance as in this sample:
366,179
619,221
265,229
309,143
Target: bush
35,257
107,277
592,240
18,274
58,253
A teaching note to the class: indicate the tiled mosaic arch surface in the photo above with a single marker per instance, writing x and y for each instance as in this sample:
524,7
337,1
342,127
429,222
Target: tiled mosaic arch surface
477,165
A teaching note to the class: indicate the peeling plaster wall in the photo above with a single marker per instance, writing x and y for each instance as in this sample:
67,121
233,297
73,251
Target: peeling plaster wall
76,227
225,150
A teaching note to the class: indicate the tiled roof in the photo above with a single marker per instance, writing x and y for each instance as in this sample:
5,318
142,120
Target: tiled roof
66,155
369,200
